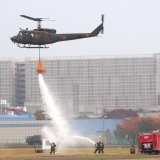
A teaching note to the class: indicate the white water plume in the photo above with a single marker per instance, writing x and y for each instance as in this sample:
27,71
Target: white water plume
61,128
80,138
74,141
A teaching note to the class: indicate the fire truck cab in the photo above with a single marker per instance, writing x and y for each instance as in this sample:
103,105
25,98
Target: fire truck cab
149,142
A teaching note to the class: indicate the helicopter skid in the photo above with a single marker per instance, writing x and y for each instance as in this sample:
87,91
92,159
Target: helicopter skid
32,47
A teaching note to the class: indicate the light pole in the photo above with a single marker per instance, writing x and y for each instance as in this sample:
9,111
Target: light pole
103,128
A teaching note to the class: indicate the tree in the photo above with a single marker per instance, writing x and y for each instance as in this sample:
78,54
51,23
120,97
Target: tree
108,136
135,125
157,122
128,127
40,115
120,114
82,117
119,133
146,124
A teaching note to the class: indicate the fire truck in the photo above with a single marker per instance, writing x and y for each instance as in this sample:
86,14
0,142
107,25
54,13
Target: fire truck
149,142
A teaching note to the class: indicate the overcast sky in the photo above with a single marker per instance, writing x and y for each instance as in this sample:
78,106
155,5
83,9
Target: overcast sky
130,27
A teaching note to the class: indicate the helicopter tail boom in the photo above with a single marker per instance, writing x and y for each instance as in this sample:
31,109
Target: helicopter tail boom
97,30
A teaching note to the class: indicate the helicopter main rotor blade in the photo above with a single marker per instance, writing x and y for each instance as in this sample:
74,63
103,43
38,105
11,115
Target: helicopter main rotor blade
34,19
48,20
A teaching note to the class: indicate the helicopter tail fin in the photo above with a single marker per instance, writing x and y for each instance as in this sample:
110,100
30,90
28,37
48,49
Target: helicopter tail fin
97,30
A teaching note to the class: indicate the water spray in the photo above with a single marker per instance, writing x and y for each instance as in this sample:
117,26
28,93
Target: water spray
60,126
59,132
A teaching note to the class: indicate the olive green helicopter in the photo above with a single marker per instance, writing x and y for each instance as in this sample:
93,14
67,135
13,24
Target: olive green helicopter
40,37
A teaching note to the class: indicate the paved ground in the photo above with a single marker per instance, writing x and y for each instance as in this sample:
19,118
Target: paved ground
83,158
39,146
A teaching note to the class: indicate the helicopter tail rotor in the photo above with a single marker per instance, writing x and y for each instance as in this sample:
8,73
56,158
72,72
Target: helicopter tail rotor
102,18
100,28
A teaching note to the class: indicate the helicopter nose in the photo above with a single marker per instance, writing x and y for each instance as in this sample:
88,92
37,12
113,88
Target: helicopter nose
13,39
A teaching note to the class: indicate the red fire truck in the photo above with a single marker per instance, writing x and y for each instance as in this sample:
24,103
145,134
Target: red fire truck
149,142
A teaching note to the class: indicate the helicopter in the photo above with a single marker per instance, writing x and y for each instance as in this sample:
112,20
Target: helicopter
40,37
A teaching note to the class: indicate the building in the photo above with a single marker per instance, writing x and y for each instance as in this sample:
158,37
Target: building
20,83
85,84
7,81
15,129
128,82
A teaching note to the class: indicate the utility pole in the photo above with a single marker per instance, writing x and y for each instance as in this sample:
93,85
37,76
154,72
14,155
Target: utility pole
103,128
75,96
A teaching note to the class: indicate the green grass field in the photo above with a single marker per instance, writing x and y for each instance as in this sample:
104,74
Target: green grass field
85,153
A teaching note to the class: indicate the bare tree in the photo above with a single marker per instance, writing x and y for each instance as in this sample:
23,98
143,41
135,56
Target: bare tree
40,115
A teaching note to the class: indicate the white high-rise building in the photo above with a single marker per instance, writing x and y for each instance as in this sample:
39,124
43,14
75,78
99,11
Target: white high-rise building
86,84
7,80
129,82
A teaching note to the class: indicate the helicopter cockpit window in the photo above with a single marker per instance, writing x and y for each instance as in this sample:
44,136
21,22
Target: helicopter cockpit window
20,34
32,35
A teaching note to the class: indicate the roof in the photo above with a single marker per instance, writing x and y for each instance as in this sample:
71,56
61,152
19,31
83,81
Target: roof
20,117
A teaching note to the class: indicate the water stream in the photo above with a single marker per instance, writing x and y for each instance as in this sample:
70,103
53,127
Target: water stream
61,131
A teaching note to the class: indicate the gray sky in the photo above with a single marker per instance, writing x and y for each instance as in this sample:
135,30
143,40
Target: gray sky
130,27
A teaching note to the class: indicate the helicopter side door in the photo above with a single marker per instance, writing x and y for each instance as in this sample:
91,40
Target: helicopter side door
37,38
28,37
